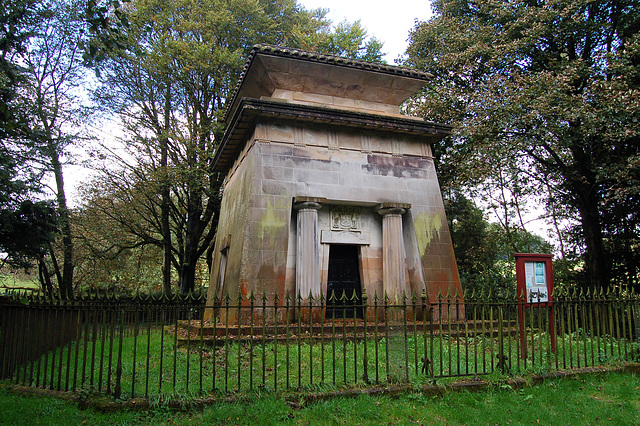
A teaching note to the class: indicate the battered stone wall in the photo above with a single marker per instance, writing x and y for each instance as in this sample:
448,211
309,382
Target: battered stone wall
344,167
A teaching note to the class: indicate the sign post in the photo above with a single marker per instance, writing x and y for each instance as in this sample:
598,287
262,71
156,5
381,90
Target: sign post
534,278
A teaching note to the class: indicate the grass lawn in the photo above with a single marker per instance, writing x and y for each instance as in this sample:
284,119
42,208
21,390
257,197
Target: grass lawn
18,280
613,398
155,366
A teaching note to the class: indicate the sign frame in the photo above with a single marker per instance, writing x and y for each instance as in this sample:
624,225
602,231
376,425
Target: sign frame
523,260
529,275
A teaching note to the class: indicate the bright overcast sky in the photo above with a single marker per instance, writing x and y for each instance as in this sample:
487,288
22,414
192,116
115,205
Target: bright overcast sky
389,21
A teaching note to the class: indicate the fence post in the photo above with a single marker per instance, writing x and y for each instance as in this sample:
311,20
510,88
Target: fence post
276,299
365,360
635,316
502,359
117,393
521,325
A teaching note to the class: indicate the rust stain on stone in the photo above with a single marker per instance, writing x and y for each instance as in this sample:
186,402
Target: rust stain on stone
244,290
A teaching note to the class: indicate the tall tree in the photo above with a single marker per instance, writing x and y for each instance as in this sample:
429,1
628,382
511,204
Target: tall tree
346,39
552,87
484,251
55,74
27,224
169,87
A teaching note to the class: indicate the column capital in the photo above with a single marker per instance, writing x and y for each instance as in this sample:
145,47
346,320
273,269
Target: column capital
386,208
305,203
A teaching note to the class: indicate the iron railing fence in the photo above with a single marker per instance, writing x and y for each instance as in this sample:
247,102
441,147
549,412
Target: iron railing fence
154,348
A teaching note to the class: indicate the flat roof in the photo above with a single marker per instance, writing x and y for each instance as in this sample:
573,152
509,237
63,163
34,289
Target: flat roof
269,68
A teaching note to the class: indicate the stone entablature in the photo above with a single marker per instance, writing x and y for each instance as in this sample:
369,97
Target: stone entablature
356,140
266,121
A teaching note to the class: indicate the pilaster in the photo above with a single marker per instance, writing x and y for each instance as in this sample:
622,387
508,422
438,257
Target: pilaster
394,281
308,247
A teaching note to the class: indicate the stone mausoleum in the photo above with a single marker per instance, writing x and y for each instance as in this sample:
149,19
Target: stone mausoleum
329,189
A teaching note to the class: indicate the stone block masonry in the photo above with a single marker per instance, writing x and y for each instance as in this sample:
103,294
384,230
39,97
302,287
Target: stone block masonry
314,164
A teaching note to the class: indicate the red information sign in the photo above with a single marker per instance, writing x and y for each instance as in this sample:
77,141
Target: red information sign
534,279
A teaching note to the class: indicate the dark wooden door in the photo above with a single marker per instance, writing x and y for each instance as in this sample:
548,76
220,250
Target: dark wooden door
344,294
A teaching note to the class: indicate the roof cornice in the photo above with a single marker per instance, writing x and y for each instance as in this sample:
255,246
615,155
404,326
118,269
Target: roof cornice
251,110
313,57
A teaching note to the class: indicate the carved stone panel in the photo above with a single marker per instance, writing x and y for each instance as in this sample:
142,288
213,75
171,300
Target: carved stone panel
345,218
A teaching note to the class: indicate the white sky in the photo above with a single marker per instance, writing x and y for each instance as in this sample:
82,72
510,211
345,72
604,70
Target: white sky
388,21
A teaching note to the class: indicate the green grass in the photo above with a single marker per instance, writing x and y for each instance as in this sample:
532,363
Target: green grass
18,281
152,364
613,398
26,409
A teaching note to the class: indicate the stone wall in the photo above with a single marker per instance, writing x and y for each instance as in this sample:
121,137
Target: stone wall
346,167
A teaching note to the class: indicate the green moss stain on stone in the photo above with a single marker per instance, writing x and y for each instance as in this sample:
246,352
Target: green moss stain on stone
427,227
271,224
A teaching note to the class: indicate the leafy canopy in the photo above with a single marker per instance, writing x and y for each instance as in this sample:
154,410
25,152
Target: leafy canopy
27,225
167,81
546,91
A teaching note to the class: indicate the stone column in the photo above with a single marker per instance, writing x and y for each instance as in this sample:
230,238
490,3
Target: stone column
308,247
394,281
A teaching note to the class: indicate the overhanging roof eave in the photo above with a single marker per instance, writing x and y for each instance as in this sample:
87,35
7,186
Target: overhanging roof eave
250,110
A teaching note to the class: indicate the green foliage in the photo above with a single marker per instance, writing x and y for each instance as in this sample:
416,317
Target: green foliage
484,251
108,22
26,226
26,231
117,246
544,97
15,18
168,84
347,39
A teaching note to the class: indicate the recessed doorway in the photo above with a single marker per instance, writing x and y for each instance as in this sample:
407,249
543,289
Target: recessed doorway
344,292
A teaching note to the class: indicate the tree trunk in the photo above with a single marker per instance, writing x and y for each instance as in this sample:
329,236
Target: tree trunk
191,254
188,276
583,183
188,267
54,261
597,267
66,285
164,208
45,279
